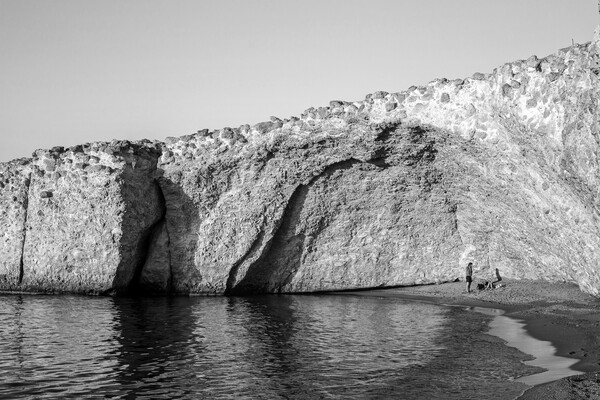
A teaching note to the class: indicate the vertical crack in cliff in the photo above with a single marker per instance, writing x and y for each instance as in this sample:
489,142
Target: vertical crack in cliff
145,246
25,217
256,244
289,240
260,272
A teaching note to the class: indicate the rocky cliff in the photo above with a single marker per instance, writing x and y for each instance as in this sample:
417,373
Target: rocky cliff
404,188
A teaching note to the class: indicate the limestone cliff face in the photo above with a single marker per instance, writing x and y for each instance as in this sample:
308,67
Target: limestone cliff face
14,186
501,169
341,206
78,219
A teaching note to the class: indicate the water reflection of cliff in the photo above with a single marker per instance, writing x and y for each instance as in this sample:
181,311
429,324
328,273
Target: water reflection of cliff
270,346
156,340
315,346
260,347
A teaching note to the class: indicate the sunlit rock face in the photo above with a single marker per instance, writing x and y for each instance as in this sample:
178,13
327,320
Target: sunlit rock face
88,213
402,188
14,185
348,206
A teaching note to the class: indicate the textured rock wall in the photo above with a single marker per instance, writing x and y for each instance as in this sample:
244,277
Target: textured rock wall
510,183
81,221
404,188
14,185
310,211
385,220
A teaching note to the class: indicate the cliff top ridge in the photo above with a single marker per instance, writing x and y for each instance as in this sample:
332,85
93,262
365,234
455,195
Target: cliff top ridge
377,107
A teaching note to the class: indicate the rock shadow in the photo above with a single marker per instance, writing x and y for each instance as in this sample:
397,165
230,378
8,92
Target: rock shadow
182,219
155,337
282,258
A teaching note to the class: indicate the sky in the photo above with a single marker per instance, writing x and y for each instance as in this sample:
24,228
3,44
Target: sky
76,71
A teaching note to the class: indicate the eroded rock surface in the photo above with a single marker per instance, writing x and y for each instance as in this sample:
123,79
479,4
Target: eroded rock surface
404,188
82,218
14,186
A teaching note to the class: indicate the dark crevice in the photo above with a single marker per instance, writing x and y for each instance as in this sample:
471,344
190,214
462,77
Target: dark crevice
243,287
382,151
380,159
295,243
26,206
421,147
257,276
234,269
144,245
385,133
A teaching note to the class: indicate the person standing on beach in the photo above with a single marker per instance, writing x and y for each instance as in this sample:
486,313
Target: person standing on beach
469,276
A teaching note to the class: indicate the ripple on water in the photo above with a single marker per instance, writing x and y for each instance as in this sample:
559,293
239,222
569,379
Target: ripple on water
254,347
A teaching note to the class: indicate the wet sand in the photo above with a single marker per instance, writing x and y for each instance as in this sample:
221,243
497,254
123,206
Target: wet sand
556,312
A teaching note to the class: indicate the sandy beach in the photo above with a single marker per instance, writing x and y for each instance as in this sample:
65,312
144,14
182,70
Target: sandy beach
556,312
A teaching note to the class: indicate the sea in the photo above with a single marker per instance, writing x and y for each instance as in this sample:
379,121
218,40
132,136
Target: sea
329,346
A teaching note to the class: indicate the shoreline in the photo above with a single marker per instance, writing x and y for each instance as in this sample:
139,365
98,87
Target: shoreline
558,313
555,312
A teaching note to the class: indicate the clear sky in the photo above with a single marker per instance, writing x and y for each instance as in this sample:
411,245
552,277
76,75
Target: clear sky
75,71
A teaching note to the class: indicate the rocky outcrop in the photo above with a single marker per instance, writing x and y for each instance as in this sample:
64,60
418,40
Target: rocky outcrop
14,187
79,218
404,188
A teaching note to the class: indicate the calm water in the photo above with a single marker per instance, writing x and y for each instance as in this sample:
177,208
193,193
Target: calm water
264,347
